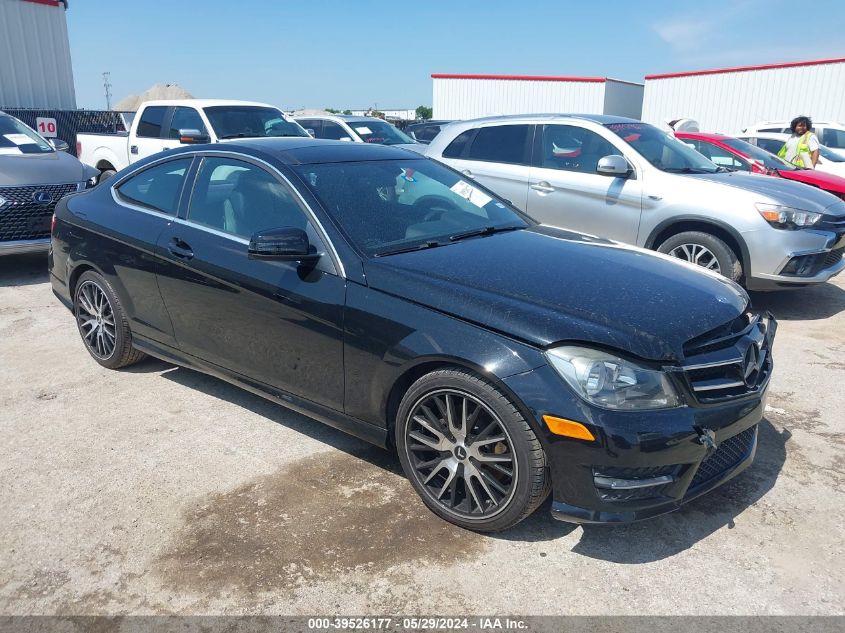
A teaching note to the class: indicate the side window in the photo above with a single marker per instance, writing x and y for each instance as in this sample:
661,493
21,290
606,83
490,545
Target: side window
501,144
312,126
770,144
335,132
185,119
834,138
572,148
456,148
150,124
157,187
240,198
724,158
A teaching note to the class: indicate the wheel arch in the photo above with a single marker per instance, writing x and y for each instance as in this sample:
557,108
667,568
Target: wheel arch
722,230
423,366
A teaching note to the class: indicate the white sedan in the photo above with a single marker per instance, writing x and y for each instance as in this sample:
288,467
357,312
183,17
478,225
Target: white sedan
829,161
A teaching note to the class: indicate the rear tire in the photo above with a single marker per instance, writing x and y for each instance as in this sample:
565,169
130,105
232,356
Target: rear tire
102,323
469,453
705,250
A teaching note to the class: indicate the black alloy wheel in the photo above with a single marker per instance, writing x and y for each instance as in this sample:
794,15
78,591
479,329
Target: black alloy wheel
468,452
102,323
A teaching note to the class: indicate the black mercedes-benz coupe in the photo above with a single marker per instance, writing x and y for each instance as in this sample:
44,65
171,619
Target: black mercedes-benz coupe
389,296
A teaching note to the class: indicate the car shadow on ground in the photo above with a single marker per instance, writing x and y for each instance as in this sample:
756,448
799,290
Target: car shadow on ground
23,270
802,304
642,542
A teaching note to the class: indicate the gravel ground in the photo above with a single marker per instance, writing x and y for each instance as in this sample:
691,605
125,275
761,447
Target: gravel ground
161,490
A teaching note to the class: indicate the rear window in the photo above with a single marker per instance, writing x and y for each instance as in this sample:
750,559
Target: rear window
501,144
150,124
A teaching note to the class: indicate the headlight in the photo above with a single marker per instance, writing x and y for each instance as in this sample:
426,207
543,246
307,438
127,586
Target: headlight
612,382
787,217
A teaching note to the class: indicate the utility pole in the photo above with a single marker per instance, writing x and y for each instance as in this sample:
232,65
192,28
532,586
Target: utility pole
107,86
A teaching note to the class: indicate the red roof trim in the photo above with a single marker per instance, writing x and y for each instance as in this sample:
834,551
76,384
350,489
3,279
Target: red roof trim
52,3
739,69
519,77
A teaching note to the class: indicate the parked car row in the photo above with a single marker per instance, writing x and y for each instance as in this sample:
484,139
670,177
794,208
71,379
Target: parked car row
626,180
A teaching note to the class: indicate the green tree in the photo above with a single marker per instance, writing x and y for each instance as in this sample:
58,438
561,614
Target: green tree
424,112
332,110
347,111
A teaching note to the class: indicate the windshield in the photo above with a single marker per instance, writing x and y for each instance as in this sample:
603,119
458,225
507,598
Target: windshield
396,205
768,160
250,121
828,154
17,138
380,132
662,150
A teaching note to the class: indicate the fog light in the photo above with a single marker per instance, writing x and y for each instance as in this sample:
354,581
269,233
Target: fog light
568,428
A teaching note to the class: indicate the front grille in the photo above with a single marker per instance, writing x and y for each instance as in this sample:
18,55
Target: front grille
634,494
729,453
22,218
731,361
833,257
811,265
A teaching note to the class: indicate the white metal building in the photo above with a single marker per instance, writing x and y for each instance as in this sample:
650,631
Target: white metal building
730,99
473,96
35,68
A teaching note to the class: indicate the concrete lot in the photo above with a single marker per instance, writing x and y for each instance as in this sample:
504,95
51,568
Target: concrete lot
161,490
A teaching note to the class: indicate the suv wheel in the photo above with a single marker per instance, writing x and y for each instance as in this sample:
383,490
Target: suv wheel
102,323
469,453
706,251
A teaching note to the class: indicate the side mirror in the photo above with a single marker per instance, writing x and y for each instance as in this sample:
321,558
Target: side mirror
284,245
193,137
58,144
614,165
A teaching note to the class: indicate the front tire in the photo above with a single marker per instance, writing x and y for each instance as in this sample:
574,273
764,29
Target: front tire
102,322
106,174
705,250
468,451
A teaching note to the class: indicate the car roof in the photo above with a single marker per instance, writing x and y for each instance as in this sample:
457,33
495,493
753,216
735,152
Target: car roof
601,119
302,150
206,103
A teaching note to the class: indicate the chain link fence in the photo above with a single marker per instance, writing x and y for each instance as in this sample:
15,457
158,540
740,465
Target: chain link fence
66,124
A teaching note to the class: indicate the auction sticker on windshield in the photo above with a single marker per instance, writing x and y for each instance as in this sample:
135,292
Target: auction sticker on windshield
363,130
466,190
19,139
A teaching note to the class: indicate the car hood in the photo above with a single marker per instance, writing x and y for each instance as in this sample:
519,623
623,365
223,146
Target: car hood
42,169
780,190
546,285
828,182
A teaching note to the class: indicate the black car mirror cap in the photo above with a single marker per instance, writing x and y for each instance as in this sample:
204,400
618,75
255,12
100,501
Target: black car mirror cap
286,244
193,137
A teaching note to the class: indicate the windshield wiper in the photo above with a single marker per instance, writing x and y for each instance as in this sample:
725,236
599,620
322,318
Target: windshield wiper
239,135
486,230
409,249
688,170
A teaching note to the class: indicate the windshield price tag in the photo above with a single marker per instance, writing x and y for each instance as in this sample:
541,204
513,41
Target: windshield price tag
46,127
363,130
466,190
19,139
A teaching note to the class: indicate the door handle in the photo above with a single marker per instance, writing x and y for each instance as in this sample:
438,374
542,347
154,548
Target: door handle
180,249
133,149
542,187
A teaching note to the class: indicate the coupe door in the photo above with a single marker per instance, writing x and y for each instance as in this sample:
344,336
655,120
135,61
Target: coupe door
566,191
278,323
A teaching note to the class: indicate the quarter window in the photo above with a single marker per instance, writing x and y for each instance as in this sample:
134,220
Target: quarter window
157,187
150,124
240,198
501,144
456,147
572,148
186,119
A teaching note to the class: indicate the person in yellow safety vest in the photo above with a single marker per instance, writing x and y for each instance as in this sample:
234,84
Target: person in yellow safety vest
802,148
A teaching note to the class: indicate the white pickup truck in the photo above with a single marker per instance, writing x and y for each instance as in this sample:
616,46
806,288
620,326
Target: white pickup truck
162,125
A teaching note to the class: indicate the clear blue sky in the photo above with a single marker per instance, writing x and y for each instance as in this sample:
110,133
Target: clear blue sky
355,54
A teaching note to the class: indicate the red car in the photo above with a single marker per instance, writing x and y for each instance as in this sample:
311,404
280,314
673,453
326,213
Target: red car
733,153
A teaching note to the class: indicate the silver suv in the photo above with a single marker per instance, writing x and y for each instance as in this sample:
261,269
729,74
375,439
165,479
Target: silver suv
628,181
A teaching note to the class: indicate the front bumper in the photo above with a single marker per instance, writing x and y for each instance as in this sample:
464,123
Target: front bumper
666,446
24,246
792,259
